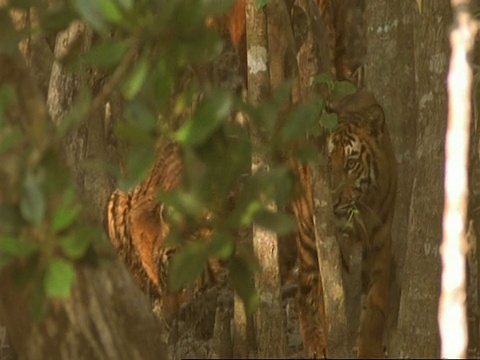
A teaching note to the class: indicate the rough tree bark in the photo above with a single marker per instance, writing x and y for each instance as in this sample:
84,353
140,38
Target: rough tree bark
452,313
390,77
269,317
420,287
313,59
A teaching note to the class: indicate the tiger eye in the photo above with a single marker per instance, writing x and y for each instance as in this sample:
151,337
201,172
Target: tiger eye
350,164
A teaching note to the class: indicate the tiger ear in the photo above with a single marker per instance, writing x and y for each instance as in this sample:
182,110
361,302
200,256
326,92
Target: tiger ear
376,119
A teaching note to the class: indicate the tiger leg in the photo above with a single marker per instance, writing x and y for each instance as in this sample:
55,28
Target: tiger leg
310,307
310,302
375,280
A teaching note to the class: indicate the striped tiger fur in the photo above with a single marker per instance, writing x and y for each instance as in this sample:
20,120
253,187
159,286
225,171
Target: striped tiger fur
135,225
363,180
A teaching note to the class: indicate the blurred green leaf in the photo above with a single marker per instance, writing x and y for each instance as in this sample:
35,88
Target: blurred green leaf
221,245
23,4
306,152
13,246
187,264
324,78
125,4
11,137
185,202
66,212
329,121
217,6
107,53
299,122
241,273
90,11
342,88
32,200
74,245
261,4
58,278
280,223
110,10
215,108
57,18
137,77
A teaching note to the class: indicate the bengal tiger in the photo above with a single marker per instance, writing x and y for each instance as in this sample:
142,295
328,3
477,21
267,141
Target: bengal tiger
135,224
363,179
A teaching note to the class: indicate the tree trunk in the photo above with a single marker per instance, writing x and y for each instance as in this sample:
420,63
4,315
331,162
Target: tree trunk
390,77
420,287
107,317
269,317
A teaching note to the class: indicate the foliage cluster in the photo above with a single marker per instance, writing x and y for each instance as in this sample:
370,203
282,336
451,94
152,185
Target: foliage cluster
150,48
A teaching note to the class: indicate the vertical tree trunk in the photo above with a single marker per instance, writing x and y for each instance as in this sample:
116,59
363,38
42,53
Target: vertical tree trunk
420,288
390,77
313,59
269,318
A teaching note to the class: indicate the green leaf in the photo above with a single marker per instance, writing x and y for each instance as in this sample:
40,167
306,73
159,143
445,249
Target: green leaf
91,12
324,78
241,273
221,245
329,121
12,249
342,88
210,114
32,201
187,264
58,278
13,246
66,213
217,6
75,245
300,121
107,53
280,223
110,11
261,4
136,79
10,137
22,4
125,4
57,18
306,152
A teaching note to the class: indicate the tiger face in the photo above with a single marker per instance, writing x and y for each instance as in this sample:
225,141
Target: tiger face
354,162
362,169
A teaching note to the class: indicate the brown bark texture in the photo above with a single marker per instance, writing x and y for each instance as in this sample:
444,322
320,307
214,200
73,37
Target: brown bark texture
406,69
391,78
420,285
269,317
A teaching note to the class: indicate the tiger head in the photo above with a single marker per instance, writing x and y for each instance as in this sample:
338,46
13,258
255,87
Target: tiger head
361,163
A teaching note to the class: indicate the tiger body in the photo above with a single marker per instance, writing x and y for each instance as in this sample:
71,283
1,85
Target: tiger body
135,224
363,181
